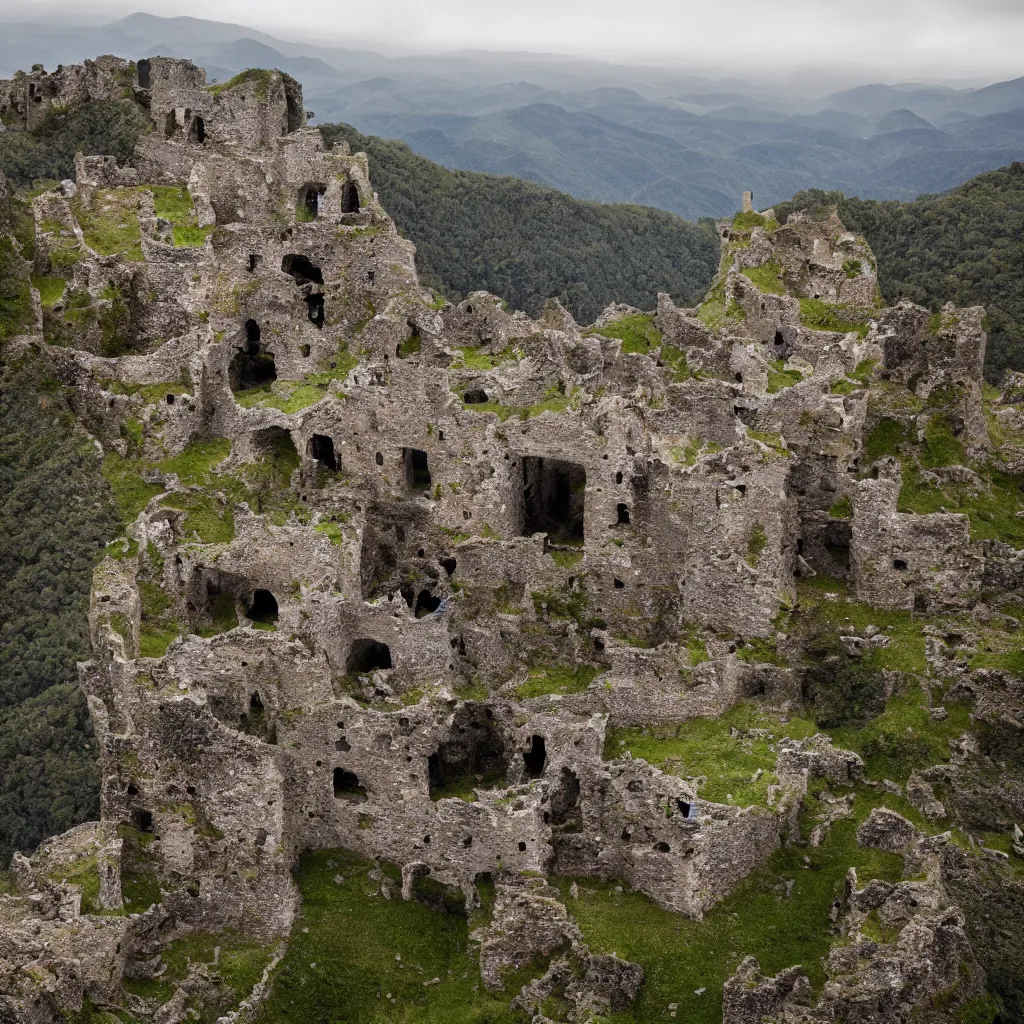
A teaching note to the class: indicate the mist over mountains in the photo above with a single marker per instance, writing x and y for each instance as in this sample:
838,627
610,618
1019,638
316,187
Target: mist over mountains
685,143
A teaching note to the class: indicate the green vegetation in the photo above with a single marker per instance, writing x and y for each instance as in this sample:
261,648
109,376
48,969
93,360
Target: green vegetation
779,377
757,541
748,221
110,222
556,679
827,316
739,768
636,332
842,509
174,204
258,78
15,298
51,289
779,913
964,247
527,243
56,515
102,127
767,277
355,955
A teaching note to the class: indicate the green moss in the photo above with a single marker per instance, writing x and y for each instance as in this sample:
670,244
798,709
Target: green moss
760,651
636,332
853,268
767,277
206,517
825,316
770,439
757,541
708,747
410,346
887,437
155,638
332,531
354,955
471,358
51,289
779,377
110,222
940,446
258,79
503,412
568,604
566,559
842,509
195,463
747,221
287,395
675,359
556,679
223,616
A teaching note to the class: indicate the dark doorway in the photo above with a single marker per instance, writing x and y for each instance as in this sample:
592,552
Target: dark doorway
426,604
417,469
263,608
367,655
321,448
301,269
473,756
566,812
294,108
475,396
347,786
536,757
143,72
622,510
780,346
310,200
197,131
315,310
251,366
350,198
553,498
142,820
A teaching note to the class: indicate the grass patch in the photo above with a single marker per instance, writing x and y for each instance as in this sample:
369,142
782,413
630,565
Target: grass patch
770,439
206,517
287,395
557,679
842,509
680,956
174,204
706,746
566,559
110,222
767,277
779,377
51,289
757,541
826,316
355,956
747,221
636,332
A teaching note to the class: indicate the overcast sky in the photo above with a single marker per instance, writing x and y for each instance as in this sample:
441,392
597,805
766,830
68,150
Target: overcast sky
894,39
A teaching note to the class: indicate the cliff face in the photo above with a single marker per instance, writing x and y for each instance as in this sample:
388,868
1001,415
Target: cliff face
398,576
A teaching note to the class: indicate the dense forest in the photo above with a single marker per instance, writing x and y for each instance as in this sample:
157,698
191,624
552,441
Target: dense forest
966,246
527,243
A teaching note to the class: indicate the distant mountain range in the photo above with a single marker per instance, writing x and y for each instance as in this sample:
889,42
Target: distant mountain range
684,143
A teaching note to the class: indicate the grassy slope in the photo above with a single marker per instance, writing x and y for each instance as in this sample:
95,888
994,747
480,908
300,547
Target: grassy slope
527,243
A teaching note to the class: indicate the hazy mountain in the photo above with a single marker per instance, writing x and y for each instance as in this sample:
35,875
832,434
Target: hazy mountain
686,143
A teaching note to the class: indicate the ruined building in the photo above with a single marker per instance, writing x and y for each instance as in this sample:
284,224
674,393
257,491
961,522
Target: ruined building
394,568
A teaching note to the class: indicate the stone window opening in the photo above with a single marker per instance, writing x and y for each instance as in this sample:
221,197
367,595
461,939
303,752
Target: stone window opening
662,847
553,498
536,757
619,585
263,608
251,366
618,477
449,565
142,70
170,124
475,396
522,846
899,564
367,655
142,820
304,351
294,110
622,514
780,345
350,198
473,756
169,398
417,469
255,259
301,269
315,310
347,786
321,448
310,199
197,131
427,603
684,807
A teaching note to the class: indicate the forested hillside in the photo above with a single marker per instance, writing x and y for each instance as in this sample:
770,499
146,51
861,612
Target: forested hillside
966,246
527,243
